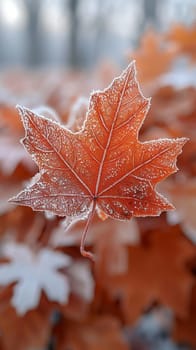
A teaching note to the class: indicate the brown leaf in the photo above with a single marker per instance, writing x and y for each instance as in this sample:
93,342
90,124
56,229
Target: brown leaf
157,273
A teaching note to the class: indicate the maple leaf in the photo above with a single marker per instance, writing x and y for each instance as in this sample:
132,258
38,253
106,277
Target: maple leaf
104,165
34,273
157,273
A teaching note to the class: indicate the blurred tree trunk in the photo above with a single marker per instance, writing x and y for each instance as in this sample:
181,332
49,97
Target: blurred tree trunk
150,12
73,51
33,7
150,18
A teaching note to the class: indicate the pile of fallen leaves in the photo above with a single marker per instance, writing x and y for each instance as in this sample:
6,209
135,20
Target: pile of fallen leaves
140,291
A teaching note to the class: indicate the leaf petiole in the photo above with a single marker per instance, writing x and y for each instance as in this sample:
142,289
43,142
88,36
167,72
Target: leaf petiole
83,251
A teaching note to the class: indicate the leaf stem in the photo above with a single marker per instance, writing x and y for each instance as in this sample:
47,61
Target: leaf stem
83,251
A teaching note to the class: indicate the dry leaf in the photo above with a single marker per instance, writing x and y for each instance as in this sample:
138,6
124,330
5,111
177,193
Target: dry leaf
34,273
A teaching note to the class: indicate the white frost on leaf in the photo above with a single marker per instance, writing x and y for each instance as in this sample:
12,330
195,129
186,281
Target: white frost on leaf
34,273
82,283
47,112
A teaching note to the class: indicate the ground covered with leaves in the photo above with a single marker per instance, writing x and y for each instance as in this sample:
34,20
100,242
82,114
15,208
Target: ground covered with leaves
140,291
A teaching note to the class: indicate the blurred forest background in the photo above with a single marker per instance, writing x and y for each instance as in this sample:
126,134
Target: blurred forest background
81,32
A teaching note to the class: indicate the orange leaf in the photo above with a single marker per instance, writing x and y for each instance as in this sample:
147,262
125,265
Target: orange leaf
184,37
157,273
153,58
104,165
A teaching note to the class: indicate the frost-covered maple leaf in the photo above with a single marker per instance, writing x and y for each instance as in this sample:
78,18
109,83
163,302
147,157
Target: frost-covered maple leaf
102,166
33,273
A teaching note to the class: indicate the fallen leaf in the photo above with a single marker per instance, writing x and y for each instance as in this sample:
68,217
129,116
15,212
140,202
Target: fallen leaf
184,37
157,273
154,57
33,273
104,165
